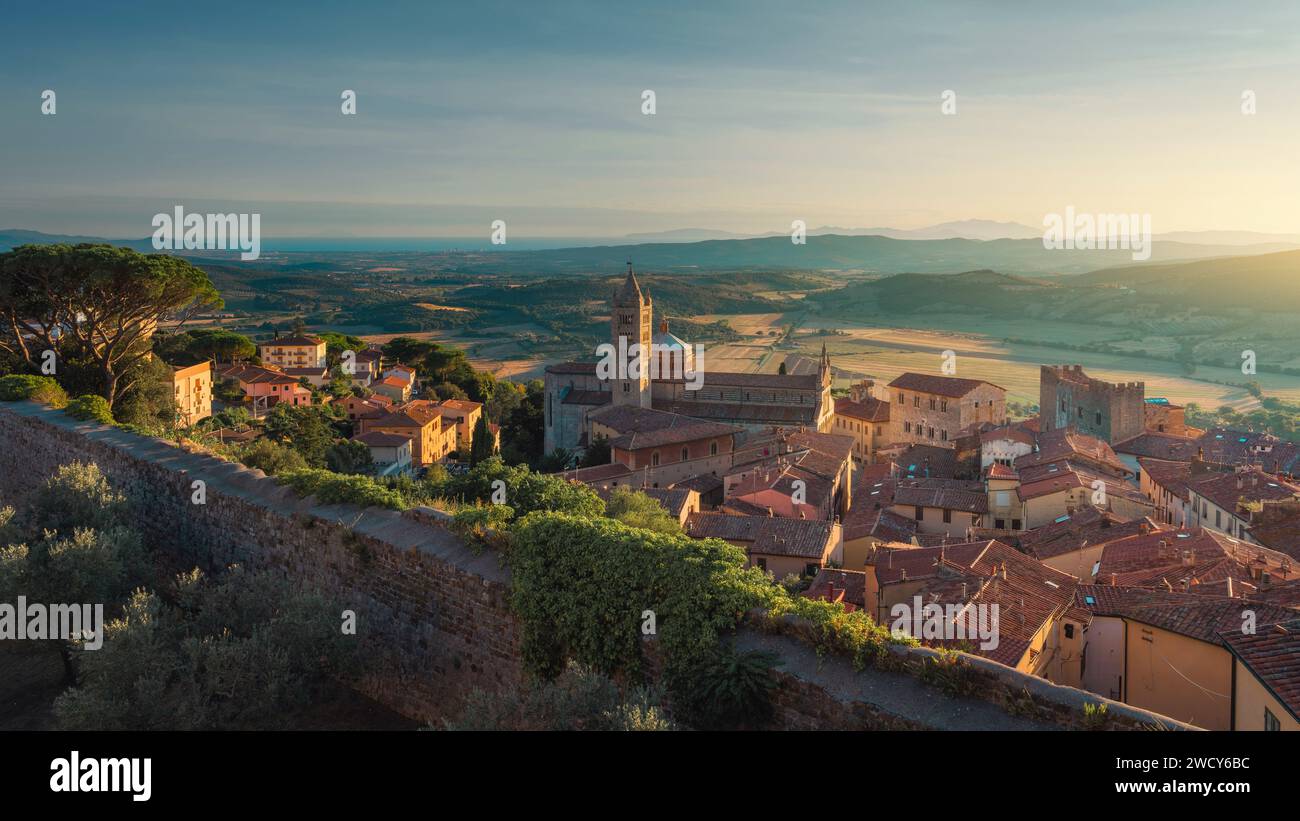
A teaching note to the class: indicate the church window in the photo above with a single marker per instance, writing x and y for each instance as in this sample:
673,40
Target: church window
713,448
654,459
686,454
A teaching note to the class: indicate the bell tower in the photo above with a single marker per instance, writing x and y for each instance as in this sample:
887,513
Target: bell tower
631,325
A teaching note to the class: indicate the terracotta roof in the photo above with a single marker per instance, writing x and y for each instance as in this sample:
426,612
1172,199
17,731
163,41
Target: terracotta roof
940,385
1172,476
997,470
598,473
379,439
1152,444
1235,447
1087,526
1278,526
406,416
1272,654
970,501
767,535
881,524
1226,489
686,430
872,410
1015,433
704,483
1199,554
254,375
295,342
753,413
1027,593
849,586
789,381
673,500
1069,444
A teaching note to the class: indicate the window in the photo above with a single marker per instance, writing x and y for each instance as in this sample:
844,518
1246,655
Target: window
920,513
1069,631
1218,518
934,404
1062,406
943,434
907,427
999,524
654,459
713,448
686,454
947,515
1270,721
1015,524
626,387
810,569
916,401
1080,413
943,406
931,434
1003,498
1098,418
762,564
901,400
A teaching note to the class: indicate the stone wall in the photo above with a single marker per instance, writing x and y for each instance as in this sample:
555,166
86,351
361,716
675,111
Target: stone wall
436,611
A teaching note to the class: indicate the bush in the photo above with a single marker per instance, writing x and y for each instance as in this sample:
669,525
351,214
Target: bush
334,488
728,691
91,408
270,458
19,387
77,495
578,699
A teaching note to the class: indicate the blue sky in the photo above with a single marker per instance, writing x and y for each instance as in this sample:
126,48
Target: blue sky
530,112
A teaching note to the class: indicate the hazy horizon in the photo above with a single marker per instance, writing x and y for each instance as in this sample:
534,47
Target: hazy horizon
765,113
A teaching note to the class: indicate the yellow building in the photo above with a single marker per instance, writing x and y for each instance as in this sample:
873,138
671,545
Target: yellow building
293,352
1265,677
430,440
192,391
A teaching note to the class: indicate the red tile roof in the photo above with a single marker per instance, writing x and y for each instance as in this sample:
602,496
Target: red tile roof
872,410
940,385
1272,654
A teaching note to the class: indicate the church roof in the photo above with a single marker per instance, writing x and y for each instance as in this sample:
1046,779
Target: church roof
631,291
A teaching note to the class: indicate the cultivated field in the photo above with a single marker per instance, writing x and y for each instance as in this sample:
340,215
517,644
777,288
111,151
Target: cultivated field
882,353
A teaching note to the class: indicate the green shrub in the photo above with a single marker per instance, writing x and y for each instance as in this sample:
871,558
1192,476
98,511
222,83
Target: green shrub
91,408
18,387
728,690
270,457
334,488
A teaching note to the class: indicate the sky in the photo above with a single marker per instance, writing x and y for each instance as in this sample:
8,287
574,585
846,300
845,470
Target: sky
765,112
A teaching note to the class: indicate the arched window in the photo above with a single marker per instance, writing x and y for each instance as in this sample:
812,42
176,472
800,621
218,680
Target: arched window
713,448
686,454
654,459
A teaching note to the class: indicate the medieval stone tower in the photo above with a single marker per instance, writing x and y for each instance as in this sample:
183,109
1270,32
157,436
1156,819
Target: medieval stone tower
1068,397
631,325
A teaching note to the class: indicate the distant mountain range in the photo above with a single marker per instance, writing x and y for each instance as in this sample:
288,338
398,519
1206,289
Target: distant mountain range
964,229
872,254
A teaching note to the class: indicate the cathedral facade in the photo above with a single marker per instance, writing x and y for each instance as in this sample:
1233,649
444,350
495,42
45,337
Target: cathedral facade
577,391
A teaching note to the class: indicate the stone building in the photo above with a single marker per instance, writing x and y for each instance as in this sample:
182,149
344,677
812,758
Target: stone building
751,401
1067,397
931,410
